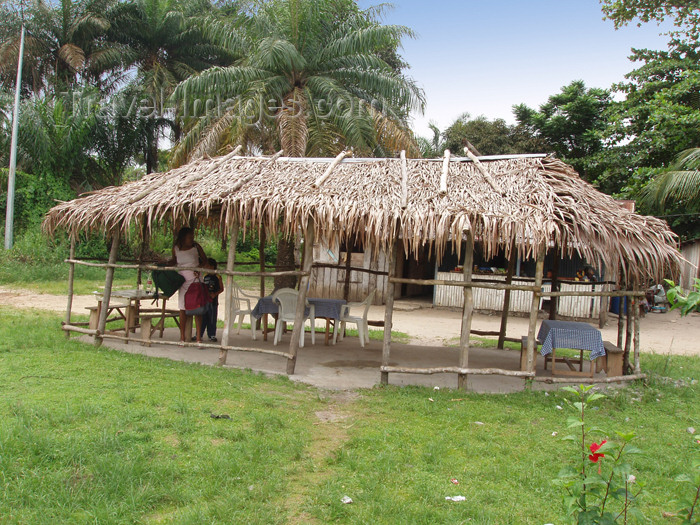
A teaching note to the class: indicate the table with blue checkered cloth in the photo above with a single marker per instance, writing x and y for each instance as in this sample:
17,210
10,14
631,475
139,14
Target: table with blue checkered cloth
324,308
569,334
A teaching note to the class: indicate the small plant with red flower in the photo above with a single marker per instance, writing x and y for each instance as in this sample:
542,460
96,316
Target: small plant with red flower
599,487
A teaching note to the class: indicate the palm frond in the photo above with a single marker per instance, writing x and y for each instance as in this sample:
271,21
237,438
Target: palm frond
292,124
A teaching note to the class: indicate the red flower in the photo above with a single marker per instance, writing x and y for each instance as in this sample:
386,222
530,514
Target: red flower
594,457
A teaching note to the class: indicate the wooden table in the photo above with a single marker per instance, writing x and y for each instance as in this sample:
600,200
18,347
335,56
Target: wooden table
130,310
573,335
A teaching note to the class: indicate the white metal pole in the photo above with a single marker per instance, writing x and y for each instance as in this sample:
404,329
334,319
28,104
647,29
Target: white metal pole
10,211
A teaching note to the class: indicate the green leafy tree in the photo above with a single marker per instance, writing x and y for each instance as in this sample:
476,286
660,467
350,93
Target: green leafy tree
659,117
487,137
491,137
685,14
570,123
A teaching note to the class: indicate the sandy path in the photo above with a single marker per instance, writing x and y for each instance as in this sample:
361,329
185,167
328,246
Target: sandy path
660,333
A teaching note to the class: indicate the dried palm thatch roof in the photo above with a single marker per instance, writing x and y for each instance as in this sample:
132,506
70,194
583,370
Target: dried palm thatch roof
525,201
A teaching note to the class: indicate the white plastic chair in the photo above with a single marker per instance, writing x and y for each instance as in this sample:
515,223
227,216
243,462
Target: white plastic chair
286,299
238,299
361,322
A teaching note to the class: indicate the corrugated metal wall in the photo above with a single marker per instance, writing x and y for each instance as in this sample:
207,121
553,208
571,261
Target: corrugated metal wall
330,282
520,302
689,269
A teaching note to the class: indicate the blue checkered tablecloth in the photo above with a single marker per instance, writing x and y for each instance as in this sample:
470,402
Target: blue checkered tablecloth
569,334
324,308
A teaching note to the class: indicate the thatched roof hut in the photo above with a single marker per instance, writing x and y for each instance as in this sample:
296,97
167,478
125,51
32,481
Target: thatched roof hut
527,203
524,201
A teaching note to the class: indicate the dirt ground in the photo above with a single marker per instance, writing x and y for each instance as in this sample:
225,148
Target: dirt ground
660,333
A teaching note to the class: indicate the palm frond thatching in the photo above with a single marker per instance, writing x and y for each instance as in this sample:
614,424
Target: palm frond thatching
541,201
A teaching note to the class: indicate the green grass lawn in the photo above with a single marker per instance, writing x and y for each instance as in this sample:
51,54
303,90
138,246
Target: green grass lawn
97,436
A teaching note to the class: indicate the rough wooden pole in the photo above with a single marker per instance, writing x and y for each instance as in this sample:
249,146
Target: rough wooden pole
348,271
637,366
620,314
534,309
389,310
506,298
142,253
629,329
467,310
301,300
71,277
554,301
604,301
109,278
621,321
262,243
229,321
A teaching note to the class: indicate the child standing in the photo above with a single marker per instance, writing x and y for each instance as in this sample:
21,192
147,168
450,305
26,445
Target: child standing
215,286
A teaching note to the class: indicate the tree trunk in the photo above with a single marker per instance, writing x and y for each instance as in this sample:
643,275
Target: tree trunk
151,149
285,262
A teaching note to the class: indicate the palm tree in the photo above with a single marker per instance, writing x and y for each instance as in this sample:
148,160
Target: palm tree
56,139
679,185
433,147
63,42
311,81
162,43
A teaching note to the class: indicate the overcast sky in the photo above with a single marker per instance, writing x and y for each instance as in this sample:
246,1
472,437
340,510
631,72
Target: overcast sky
484,56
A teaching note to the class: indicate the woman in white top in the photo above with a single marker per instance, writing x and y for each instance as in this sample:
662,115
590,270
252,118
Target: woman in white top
187,254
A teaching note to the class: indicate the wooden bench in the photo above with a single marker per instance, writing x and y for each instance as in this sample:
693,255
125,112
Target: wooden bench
148,328
95,314
611,363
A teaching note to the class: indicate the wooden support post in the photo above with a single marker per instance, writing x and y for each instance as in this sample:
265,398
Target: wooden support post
142,253
262,243
554,301
389,310
228,294
637,366
506,298
621,322
629,334
604,301
534,310
620,313
71,277
109,278
467,310
348,271
303,291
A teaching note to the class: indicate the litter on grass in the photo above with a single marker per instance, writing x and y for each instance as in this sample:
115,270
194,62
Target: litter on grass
455,498
346,499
